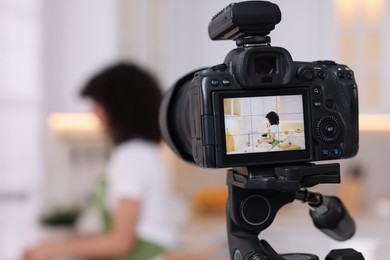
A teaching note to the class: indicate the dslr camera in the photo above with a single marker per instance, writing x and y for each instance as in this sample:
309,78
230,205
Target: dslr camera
260,107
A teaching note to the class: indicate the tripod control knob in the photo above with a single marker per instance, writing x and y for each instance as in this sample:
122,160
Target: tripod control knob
255,210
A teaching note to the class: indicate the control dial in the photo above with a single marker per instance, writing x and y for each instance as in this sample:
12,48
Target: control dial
306,73
328,129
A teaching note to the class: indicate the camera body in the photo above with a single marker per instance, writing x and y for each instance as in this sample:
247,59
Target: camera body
266,116
316,104
259,106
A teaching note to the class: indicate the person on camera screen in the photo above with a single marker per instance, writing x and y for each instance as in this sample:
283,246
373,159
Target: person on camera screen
272,136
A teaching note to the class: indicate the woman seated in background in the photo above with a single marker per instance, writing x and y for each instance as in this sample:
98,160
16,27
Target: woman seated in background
272,137
126,99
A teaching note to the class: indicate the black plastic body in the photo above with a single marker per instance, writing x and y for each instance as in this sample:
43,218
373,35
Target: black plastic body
329,94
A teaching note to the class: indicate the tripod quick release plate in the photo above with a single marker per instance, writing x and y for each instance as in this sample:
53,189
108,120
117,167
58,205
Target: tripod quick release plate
289,178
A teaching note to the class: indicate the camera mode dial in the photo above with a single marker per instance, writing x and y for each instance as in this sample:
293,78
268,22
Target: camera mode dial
328,129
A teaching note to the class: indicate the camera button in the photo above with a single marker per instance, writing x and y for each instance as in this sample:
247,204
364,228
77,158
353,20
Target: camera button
214,82
321,74
308,75
330,129
317,103
349,76
325,152
329,103
336,151
341,74
316,91
226,82
327,62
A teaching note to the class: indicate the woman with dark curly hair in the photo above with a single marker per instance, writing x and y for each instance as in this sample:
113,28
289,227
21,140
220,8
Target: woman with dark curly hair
126,99
273,130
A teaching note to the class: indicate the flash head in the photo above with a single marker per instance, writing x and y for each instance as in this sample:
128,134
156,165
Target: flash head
250,18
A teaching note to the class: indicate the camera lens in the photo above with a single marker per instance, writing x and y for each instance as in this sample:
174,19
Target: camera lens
175,118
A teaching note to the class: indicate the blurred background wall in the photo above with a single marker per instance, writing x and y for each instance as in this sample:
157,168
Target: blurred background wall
52,152
22,120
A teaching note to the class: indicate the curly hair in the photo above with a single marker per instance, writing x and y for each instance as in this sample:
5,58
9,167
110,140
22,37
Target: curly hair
131,98
273,118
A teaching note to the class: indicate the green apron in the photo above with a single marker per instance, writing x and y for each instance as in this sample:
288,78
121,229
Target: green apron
143,250
275,142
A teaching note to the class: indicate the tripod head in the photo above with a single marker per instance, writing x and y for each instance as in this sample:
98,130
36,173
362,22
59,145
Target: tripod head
256,195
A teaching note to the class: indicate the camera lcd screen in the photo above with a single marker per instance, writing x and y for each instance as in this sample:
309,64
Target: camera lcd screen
264,124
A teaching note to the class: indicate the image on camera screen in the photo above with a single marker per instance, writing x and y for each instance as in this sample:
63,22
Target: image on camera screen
264,124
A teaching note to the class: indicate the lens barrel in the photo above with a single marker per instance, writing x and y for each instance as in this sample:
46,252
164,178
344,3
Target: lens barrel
175,122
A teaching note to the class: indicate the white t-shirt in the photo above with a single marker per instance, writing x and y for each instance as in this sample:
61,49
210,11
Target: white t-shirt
137,170
275,130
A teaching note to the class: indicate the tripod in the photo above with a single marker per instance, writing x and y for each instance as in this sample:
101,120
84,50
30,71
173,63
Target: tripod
257,193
